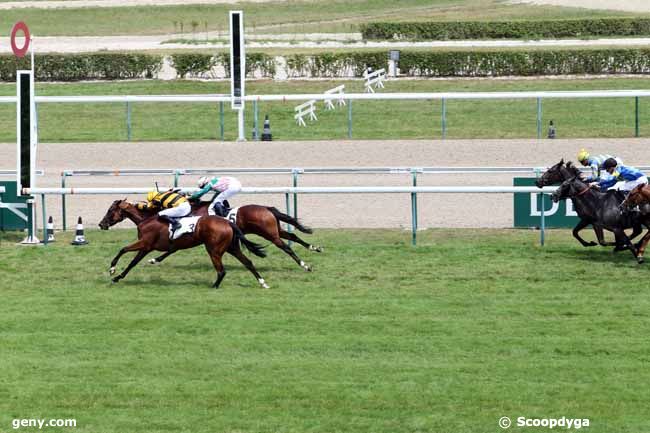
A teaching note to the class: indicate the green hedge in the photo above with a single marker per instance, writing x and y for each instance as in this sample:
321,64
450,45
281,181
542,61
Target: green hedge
526,63
75,67
507,29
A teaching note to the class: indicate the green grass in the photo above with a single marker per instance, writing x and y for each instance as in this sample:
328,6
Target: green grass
449,336
284,17
371,120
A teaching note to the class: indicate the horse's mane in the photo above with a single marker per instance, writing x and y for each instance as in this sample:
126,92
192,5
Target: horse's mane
572,168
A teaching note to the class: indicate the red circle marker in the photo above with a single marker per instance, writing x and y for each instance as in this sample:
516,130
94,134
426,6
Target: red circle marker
19,52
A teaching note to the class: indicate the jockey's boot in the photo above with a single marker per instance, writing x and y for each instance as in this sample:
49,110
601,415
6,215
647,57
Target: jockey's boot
219,209
226,205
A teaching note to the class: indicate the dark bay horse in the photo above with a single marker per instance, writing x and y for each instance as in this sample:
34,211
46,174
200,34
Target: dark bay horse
217,234
601,207
558,174
263,221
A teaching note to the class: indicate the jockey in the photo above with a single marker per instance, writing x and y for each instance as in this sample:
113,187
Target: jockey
619,172
595,162
225,186
173,206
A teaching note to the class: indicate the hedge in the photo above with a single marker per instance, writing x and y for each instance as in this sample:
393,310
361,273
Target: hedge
69,67
525,63
507,29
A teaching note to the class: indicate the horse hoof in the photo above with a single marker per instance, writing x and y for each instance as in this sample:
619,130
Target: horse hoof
263,283
153,261
116,279
111,271
640,260
265,286
316,248
591,244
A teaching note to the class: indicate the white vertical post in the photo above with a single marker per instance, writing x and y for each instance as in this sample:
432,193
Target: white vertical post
238,69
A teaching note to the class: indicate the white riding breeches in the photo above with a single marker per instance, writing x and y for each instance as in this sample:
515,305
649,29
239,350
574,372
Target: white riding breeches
630,185
179,211
234,186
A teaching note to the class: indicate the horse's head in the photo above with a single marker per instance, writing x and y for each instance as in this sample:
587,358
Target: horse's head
551,176
114,215
569,188
635,198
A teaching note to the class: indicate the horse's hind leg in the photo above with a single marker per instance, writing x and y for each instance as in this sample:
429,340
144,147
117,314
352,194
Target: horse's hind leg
161,257
218,266
239,255
292,237
287,249
135,246
134,262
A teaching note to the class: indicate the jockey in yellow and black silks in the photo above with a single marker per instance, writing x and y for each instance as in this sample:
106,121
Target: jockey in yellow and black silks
173,205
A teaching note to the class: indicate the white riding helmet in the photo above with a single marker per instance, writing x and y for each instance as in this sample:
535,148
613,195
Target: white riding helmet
203,181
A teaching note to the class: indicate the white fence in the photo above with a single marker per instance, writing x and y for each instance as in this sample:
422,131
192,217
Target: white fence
340,91
306,109
440,96
412,190
377,78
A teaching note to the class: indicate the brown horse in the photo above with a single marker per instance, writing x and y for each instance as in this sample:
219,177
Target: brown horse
217,234
639,196
263,221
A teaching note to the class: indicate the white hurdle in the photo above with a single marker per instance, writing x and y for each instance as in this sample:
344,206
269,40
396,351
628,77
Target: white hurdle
308,108
339,91
377,77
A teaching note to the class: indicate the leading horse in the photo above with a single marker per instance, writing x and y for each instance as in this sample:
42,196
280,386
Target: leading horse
263,221
217,234
557,174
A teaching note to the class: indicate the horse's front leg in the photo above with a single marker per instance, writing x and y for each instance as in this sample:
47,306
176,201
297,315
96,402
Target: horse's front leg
581,225
134,262
137,245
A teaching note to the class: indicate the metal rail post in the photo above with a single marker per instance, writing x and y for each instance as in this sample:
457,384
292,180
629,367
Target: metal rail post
539,118
350,119
294,174
44,220
444,118
288,202
63,175
176,176
542,224
221,120
256,121
414,208
636,116
128,121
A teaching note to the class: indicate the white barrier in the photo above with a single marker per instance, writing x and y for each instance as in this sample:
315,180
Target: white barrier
377,78
308,108
312,190
340,91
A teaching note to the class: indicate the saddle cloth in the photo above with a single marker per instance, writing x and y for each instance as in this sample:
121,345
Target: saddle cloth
232,215
188,224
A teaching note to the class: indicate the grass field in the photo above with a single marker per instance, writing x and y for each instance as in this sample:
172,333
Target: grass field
449,336
284,17
371,119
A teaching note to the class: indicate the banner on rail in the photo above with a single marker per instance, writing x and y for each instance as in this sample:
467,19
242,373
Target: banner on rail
528,207
13,208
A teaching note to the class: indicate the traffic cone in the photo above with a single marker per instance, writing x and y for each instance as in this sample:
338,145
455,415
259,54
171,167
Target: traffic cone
266,132
79,238
50,230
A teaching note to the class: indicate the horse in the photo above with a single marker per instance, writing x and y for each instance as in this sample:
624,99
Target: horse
639,196
601,207
217,234
263,221
557,174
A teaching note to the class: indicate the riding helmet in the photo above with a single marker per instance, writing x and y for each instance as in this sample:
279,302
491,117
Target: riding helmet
583,155
203,181
609,163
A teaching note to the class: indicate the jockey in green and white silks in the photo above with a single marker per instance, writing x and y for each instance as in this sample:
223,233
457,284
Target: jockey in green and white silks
224,187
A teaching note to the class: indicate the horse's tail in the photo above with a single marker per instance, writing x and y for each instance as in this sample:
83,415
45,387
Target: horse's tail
289,220
254,248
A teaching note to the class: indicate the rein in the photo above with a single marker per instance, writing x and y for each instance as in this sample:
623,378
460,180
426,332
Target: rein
583,191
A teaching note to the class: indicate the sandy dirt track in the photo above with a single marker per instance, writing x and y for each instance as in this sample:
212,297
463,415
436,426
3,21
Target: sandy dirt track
342,210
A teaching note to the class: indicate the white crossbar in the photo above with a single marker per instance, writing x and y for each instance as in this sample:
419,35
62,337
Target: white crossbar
376,78
308,108
339,90
315,190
